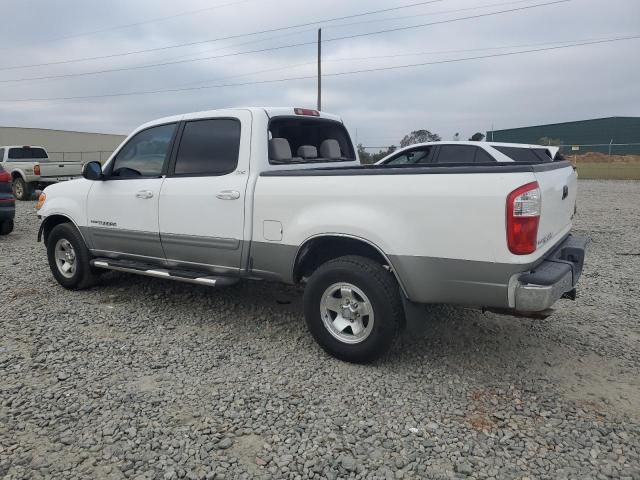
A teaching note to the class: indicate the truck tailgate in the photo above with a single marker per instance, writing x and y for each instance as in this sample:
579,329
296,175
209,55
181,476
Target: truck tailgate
60,170
559,189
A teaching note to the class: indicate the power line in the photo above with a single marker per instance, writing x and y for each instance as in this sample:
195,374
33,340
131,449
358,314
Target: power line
439,12
394,55
229,37
336,74
362,22
153,20
281,47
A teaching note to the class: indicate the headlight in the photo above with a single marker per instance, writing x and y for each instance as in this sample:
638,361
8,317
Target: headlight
41,199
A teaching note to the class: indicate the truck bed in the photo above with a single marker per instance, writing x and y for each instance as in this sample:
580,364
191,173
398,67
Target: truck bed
442,228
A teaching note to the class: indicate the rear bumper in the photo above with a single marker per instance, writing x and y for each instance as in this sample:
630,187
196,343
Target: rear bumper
552,279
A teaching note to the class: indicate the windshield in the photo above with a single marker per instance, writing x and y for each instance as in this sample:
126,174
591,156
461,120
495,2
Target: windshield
19,153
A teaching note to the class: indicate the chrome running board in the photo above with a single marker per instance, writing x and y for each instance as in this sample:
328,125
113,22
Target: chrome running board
198,278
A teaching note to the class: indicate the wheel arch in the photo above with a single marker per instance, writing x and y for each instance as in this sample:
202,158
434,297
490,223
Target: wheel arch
17,173
321,248
52,221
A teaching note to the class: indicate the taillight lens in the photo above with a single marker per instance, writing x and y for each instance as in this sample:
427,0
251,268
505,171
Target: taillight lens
5,177
36,169
523,217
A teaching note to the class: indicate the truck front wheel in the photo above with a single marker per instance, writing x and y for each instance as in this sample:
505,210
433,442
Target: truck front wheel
69,258
21,189
353,308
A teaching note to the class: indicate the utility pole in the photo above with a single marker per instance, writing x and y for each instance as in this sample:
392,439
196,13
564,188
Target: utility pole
319,69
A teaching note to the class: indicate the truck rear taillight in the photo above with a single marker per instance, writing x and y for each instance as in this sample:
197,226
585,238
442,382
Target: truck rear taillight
36,169
523,217
5,177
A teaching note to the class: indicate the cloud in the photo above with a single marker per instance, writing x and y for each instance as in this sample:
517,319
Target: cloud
465,97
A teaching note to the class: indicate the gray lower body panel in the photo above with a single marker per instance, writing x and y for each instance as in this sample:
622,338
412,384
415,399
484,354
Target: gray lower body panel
202,250
446,280
273,261
210,254
532,287
424,279
132,242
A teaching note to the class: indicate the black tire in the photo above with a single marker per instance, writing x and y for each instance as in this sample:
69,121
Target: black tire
380,288
82,277
6,227
22,190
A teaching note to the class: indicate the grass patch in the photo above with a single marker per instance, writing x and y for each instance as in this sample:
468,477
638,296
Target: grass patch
594,165
609,171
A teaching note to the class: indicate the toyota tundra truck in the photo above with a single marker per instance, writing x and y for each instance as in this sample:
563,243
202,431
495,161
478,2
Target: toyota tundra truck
31,169
278,194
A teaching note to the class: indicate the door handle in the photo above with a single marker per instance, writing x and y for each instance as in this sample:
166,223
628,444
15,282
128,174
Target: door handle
144,194
228,195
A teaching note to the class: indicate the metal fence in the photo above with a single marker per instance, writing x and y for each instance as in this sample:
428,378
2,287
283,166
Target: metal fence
604,160
604,148
82,157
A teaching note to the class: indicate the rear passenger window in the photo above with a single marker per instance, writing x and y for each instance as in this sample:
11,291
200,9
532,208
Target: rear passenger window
209,147
483,157
456,154
523,154
543,154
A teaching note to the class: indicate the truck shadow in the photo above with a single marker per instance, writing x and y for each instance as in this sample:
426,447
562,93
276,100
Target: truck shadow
443,332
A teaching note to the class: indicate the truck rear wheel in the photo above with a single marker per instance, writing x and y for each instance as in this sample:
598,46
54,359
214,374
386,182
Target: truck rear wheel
353,308
69,258
21,189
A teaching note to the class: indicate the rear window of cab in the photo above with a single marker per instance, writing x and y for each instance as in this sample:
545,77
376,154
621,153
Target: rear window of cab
308,140
19,153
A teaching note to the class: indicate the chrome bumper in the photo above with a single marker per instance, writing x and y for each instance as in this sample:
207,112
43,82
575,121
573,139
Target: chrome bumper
552,279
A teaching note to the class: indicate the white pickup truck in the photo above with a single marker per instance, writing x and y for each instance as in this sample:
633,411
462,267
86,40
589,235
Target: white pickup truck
31,169
279,194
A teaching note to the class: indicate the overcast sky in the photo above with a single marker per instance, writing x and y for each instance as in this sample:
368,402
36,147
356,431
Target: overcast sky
468,96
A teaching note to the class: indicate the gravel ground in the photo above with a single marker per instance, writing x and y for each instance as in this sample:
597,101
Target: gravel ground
142,378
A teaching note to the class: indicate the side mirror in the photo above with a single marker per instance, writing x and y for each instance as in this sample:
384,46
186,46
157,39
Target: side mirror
92,171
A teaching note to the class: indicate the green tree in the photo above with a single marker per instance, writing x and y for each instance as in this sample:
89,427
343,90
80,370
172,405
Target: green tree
477,137
419,136
383,153
368,158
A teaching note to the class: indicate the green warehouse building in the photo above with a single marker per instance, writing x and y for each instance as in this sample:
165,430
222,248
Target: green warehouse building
593,135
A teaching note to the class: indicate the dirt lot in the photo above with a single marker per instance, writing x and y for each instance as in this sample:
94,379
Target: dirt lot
140,378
